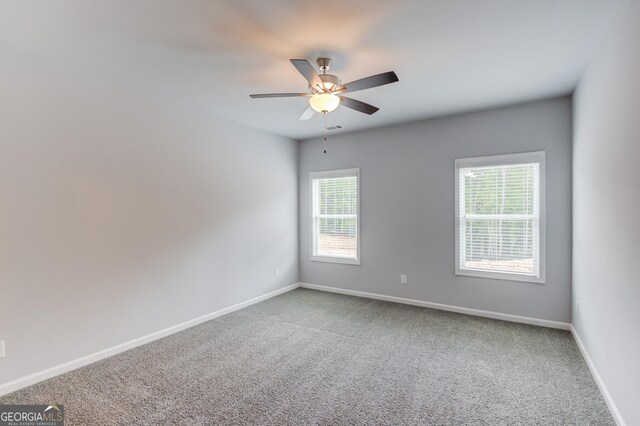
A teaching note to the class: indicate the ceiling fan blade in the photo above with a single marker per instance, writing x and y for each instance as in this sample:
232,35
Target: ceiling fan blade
369,82
358,105
308,113
278,95
308,72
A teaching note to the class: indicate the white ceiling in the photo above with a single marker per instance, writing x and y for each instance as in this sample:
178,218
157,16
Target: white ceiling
450,55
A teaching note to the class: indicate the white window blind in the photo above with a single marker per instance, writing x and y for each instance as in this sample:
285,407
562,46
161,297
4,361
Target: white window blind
334,206
500,217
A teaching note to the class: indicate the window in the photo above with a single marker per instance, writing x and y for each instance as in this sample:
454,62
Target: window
335,216
500,217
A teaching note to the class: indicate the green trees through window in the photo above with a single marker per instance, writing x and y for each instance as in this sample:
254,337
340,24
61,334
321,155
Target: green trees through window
499,215
335,215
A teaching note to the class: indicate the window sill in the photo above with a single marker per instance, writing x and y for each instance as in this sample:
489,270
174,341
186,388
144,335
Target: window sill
341,260
501,276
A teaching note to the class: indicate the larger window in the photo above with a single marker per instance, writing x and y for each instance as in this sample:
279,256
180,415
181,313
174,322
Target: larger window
335,230
500,217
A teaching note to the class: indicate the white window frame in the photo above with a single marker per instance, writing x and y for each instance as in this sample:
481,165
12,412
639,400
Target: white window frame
500,160
327,174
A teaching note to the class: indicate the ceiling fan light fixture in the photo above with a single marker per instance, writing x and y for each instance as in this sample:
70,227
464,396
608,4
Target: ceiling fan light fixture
329,82
326,92
324,102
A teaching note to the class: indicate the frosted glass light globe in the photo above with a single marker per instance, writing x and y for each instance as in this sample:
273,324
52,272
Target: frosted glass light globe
324,102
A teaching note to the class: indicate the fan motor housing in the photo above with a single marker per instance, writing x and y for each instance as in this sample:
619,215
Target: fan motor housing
329,81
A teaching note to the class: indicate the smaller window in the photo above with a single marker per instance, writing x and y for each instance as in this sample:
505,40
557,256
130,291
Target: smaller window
335,229
500,217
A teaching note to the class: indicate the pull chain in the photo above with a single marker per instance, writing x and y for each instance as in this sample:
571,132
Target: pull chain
325,132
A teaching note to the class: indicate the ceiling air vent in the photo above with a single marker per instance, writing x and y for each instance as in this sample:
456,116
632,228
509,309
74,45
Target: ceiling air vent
334,128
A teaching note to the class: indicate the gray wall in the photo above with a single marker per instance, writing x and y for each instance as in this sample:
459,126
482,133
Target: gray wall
606,225
120,216
407,207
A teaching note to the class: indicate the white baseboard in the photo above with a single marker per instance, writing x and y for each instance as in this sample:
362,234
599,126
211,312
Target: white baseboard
450,308
495,315
17,384
14,385
596,376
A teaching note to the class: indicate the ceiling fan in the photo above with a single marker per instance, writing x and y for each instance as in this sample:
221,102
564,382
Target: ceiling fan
326,92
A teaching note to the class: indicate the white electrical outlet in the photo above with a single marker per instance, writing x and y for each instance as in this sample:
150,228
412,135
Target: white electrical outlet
1,348
577,307
403,279
277,272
